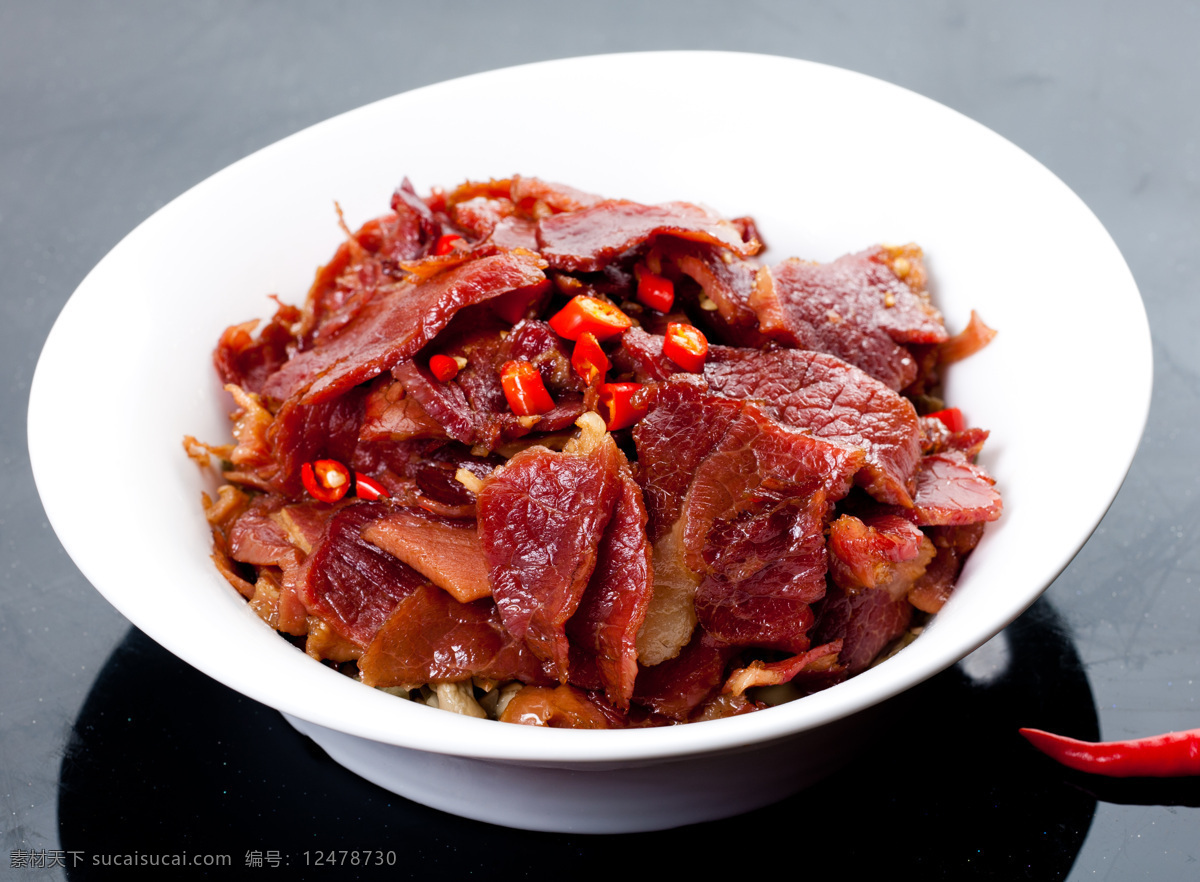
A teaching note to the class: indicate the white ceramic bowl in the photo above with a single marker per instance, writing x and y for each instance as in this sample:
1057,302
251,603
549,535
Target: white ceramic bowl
827,161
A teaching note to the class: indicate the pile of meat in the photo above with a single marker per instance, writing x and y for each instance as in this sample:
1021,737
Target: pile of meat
533,454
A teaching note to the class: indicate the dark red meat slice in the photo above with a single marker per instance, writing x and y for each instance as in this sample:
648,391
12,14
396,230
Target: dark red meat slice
765,567
855,307
527,192
389,414
394,327
351,583
727,281
863,554
431,637
541,519
865,622
757,451
677,687
257,538
951,490
247,360
833,400
807,390
683,424
603,632
954,543
588,239
301,433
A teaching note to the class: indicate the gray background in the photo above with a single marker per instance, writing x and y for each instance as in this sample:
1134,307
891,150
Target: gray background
109,110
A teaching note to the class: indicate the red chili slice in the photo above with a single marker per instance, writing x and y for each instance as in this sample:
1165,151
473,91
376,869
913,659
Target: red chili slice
443,367
326,480
589,315
445,244
618,405
951,417
589,359
686,345
654,290
366,487
524,389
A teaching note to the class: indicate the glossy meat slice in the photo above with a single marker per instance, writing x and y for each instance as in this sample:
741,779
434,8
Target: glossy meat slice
833,400
743,500
765,567
865,622
678,686
758,452
884,552
952,490
394,327
351,583
430,637
807,390
603,631
445,551
683,423
541,519
857,307
589,239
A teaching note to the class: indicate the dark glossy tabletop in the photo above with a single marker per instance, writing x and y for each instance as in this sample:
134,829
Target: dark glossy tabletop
111,746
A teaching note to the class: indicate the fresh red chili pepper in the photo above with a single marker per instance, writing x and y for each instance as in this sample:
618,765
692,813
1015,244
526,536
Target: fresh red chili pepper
443,367
589,359
618,406
524,389
592,315
366,487
326,480
686,345
1175,754
951,417
653,290
445,244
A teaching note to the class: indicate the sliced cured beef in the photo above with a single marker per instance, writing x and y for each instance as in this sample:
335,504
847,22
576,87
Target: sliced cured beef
807,390
430,637
445,551
885,552
603,631
833,400
727,281
589,239
472,407
351,583
952,490
856,307
394,327
528,192
541,519
866,623
765,567
953,543
678,686
738,500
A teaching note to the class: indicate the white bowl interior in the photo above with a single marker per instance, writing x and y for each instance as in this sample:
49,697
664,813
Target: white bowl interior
827,161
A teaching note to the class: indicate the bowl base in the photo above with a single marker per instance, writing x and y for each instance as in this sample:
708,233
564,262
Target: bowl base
598,798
